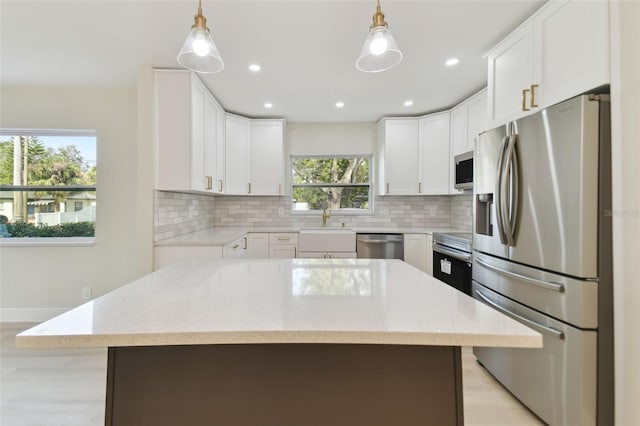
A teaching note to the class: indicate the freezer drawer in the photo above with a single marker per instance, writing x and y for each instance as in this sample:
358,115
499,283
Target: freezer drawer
566,299
558,382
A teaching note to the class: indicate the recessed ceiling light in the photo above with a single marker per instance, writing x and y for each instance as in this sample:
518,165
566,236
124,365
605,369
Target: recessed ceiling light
268,105
254,67
451,62
408,103
339,104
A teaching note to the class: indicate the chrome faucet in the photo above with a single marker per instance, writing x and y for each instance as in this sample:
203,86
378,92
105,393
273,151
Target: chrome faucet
325,215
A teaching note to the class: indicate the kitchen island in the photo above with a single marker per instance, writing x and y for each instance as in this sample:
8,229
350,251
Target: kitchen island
283,342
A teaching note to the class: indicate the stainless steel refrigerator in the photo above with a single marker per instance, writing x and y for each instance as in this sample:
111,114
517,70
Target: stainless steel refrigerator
542,255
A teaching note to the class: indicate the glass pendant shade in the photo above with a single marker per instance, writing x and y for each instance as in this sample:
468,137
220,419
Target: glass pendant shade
380,51
199,53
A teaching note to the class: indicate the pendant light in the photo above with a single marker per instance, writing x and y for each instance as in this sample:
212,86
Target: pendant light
380,51
199,53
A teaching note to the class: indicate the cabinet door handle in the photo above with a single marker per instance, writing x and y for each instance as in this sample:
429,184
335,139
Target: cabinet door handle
524,99
387,187
244,243
235,246
419,187
279,188
295,252
533,96
209,182
220,185
249,188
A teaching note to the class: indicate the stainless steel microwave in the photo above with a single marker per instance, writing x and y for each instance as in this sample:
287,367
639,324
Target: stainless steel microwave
464,171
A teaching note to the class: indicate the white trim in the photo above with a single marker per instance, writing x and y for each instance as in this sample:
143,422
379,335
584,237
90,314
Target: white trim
47,242
46,132
30,314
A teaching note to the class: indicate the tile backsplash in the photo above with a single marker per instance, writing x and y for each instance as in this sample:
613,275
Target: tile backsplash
176,214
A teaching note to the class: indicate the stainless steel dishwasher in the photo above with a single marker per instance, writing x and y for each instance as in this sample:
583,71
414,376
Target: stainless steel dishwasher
380,246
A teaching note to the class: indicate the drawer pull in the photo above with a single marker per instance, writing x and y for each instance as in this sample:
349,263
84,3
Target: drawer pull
524,99
533,95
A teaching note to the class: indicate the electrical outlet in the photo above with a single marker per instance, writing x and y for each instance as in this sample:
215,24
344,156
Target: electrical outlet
86,292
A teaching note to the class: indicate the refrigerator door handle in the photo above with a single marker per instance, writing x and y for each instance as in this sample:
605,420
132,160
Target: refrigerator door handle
544,284
499,196
510,185
526,321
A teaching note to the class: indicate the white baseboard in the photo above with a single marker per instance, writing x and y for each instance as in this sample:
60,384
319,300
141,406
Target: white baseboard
29,314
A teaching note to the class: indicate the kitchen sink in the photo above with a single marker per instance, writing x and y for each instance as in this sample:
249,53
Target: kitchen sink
327,240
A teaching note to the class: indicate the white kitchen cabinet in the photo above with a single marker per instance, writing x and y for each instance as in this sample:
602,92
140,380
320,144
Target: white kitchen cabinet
434,154
326,255
257,245
165,255
398,161
266,169
215,146
429,269
415,250
237,140
560,51
235,249
185,140
283,245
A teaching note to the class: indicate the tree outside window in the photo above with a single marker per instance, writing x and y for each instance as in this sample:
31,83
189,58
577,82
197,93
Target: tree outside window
337,183
48,183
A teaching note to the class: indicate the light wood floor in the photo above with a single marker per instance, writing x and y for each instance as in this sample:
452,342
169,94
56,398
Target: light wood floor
66,387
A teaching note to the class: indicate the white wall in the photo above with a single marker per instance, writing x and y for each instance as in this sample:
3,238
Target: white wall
625,111
330,138
38,282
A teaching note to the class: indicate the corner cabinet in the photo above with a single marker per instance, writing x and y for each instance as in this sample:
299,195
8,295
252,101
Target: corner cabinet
254,160
413,155
266,166
237,139
398,141
559,52
188,140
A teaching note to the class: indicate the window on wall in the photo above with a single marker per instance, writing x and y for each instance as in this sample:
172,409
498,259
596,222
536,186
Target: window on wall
342,184
47,183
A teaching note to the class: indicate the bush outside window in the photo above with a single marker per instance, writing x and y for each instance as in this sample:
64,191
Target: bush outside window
341,184
47,183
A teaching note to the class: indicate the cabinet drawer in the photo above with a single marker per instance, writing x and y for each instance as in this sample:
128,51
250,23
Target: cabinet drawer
283,238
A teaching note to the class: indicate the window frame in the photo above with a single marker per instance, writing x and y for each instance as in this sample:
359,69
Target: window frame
50,241
340,212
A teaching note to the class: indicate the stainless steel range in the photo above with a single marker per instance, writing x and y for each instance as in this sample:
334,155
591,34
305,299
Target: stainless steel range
452,259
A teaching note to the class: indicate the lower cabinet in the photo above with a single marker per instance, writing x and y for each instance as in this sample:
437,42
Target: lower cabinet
283,245
429,269
164,255
236,249
415,250
257,245
327,255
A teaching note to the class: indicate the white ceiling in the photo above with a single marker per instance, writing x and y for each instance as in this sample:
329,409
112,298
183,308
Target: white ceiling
307,50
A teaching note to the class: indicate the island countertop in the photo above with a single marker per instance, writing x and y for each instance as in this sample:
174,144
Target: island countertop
356,301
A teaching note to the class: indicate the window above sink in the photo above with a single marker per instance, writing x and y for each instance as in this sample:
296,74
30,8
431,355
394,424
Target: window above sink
341,184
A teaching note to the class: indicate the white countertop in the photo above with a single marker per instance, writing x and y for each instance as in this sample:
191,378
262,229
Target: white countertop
225,235
363,301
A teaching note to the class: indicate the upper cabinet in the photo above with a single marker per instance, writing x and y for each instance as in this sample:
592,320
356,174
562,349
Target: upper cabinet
254,161
413,155
398,140
266,166
434,154
559,52
187,136
238,137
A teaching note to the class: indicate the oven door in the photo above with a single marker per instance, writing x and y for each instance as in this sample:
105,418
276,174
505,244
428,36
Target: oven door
452,267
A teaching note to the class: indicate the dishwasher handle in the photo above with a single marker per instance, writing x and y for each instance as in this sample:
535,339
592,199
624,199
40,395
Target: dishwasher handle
380,241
